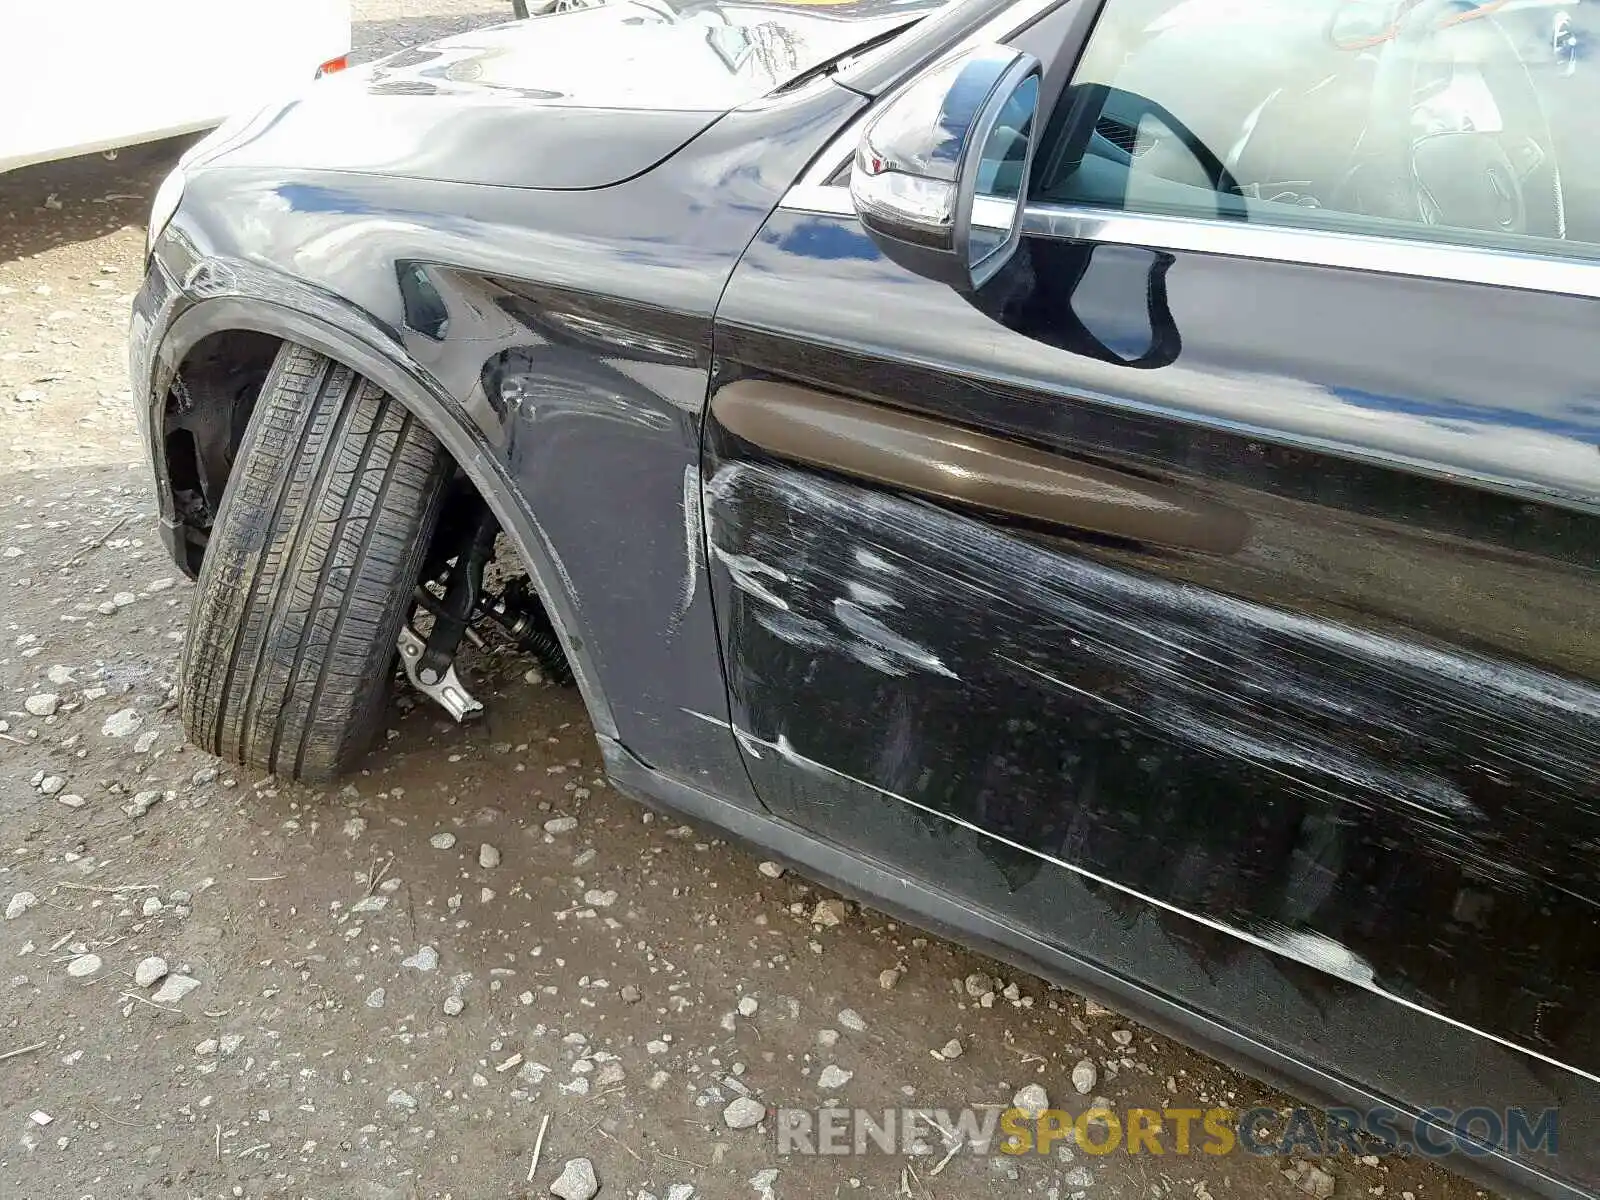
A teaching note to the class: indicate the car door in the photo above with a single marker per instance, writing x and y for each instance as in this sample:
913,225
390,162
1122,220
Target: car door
1282,717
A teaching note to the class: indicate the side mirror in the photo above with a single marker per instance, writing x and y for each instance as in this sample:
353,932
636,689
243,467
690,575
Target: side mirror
941,171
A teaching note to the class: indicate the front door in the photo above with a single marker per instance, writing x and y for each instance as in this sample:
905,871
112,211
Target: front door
1291,719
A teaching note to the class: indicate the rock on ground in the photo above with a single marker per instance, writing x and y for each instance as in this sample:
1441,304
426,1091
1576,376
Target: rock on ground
745,1112
425,959
1084,1076
174,988
577,1181
833,1078
121,723
402,1099
1032,1099
43,704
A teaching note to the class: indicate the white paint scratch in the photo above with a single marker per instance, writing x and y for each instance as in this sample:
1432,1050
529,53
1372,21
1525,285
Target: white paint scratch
1303,946
747,573
693,543
867,627
870,597
873,561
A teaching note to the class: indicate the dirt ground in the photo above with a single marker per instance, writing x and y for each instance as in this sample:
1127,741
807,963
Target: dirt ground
399,981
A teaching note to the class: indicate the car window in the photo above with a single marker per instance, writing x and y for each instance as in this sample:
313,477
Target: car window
1464,121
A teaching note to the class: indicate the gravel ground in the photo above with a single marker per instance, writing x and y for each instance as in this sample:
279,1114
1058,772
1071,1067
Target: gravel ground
225,986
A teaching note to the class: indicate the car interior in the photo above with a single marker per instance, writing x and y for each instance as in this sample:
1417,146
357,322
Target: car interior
1408,117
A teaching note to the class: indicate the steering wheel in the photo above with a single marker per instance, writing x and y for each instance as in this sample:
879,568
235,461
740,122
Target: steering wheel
1502,182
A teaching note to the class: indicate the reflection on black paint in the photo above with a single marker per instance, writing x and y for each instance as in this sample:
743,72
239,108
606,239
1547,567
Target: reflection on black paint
1106,302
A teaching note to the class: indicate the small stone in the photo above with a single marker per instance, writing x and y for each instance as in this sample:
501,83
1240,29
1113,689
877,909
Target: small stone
206,1048
951,1049
174,988
376,997
577,1181
453,1006
598,899
123,599
1081,1177
1093,1008
630,994
978,986
762,1182
1032,1100
829,913
744,1112
1122,1037
1084,1077
442,841
400,1098
887,979
21,903
852,1020
160,585
833,1078
51,784
71,800
747,1006
680,1191
1312,1180
771,870
84,966
121,723
142,802
561,824
425,959
150,970
231,1043
203,776
488,857
42,704
151,906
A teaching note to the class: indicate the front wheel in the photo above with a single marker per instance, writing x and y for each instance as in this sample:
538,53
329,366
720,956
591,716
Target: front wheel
309,572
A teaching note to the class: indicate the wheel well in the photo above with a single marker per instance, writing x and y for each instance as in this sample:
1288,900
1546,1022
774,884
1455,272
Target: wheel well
207,410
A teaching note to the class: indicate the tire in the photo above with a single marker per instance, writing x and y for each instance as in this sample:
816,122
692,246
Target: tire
309,572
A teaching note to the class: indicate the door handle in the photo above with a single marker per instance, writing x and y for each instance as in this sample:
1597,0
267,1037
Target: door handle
950,462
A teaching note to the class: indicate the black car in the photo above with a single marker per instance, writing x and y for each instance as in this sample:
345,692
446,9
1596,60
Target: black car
1113,480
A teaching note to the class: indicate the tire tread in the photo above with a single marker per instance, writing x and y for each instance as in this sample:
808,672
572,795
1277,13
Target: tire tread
309,570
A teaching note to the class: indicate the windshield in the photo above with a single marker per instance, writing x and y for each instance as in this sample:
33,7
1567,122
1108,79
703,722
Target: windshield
644,54
787,43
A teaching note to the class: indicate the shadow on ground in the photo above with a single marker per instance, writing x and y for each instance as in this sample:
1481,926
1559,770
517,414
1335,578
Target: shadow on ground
62,203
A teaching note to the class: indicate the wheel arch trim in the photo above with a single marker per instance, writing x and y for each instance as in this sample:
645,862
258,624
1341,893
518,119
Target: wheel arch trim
441,415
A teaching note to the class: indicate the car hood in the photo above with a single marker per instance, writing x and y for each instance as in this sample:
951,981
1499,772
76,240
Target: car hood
577,99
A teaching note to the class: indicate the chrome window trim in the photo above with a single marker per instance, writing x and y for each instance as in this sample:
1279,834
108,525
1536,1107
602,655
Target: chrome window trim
1276,243
829,200
1373,253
